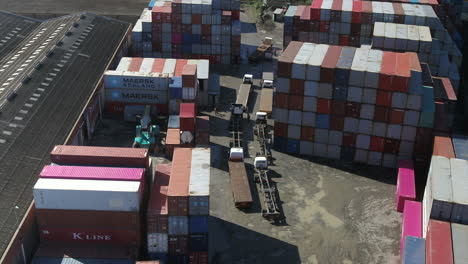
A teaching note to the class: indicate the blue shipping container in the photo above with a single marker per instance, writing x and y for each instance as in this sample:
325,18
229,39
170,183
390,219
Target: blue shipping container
162,257
280,144
173,122
198,242
187,39
414,251
322,121
175,93
347,154
428,99
426,119
340,92
198,224
293,146
460,144
187,48
196,39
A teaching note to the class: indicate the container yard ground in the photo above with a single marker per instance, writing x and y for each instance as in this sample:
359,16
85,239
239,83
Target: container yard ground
335,212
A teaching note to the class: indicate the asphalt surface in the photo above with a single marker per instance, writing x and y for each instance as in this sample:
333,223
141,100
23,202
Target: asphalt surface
45,108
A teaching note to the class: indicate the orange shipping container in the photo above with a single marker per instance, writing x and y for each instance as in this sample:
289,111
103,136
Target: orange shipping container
179,182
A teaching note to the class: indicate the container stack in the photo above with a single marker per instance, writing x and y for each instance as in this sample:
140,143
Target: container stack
141,36
354,104
187,123
157,214
89,204
350,23
156,82
202,135
187,209
192,29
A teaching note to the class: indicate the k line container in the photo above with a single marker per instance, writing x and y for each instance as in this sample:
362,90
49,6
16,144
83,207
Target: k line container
90,236
87,195
100,156
178,193
199,187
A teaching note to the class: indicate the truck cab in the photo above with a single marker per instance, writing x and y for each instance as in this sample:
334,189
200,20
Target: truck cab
261,163
248,78
261,117
267,84
236,154
237,109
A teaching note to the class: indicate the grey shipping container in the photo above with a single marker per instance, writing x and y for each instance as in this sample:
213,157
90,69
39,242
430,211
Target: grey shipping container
459,242
414,251
178,225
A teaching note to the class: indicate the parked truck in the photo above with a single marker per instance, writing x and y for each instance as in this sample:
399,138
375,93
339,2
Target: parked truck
263,51
239,180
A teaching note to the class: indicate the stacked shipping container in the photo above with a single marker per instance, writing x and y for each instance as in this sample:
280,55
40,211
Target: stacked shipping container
350,23
158,82
186,198
190,29
354,104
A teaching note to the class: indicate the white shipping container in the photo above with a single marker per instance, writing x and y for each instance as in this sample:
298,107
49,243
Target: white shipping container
356,77
136,96
298,70
157,243
325,11
199,188
346,11
419,15
98,195
169,67
320,150
410,18
441,198
315,61
146,65
146,21
310,88
459,171
459,242
378,35
137,31
377,12
413,38
374,63
401,37
388,11
124,64
390,36
425,39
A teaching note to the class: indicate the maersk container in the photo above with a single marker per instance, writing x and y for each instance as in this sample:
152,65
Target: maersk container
178,225
87,195
157,243
135,80
199,187
136,96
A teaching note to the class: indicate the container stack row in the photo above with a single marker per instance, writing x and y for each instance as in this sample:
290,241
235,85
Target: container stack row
92,196
354,104
190,29
156,82
351,23
179,232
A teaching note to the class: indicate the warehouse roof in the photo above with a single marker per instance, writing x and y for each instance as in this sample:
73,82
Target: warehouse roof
46,78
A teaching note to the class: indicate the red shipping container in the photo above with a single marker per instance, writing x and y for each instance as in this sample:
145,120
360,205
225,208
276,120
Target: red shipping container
100,156
335,12
187,116
162,174
167,14
90,236
135,65
397,116
117,108
179,182
443,146
206,30
315,9
391,146
295,102
344,40
423,144
180,64
329,64
235,14
349,139
353,109
402,73
387,71
399,14
307,133
305,17
324,26
384,98
86,219
156,215
441,116
172,141
337,123
355,30
323,106
156,14
281,100
178,245
439,243
198,257
338,108
356,15
296,87
176,19
281,129
381,114
196,19
287,57
367,12
377,144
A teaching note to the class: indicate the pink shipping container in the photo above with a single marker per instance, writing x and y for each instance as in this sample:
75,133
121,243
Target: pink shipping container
100,156
93,173
179,181
177,38
406,189
412,222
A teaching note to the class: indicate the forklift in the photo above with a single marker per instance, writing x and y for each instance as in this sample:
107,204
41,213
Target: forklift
146,133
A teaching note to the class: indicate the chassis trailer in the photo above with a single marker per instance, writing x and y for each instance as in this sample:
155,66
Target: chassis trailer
240,184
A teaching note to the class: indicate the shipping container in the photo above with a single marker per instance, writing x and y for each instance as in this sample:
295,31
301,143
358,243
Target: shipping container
439,243
99,156
178,191
240,184
48,249
411,223
414,251
199,187
93,173
87,195
157,213
178,244
459,170
406,188
91,236
187,117
157,243
178,225
173,121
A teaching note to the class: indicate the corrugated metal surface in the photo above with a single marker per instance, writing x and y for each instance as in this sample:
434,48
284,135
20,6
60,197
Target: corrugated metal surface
459,177
90,236
199,188
87,195
414,252
137,96
439,243
178,225
93,173
157,243
179,182
459,242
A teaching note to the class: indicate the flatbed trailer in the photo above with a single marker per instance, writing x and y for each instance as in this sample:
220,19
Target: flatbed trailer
259,53
266,101
243,94
263,138
240,184
270,209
